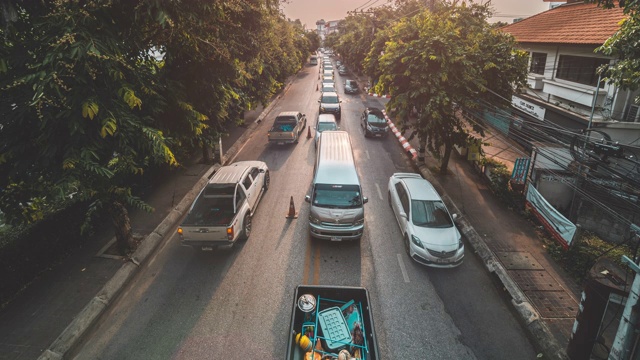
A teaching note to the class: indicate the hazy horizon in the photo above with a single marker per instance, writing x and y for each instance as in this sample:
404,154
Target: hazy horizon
311,11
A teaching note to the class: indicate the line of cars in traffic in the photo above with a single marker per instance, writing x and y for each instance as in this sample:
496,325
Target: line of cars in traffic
221,214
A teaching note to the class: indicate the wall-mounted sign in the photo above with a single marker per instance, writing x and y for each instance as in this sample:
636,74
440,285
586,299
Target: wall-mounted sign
530,108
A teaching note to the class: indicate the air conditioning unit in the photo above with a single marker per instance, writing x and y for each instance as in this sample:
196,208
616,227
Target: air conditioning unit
633,113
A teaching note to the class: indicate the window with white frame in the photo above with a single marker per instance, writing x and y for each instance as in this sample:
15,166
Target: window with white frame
580,69
538,62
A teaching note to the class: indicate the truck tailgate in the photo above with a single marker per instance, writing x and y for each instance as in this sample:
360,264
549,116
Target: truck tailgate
211,234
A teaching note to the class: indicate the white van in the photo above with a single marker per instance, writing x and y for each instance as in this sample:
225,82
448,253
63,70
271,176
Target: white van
337,204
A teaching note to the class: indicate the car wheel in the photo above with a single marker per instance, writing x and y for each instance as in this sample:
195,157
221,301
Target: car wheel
407,246
267,181
246,227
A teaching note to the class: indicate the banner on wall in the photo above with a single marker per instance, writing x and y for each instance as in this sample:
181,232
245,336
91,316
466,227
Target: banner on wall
556,224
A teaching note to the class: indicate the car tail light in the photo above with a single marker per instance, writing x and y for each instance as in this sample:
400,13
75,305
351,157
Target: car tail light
230,233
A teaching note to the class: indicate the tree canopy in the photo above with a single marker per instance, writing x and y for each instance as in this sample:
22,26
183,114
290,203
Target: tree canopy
439,63
95,93
623,45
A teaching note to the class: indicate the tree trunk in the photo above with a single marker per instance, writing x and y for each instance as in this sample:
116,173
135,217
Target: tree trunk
207,154
122,226
445,158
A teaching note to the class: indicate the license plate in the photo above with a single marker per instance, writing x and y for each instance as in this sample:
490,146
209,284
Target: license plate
336,238
378,134
207,248
442,261
280,143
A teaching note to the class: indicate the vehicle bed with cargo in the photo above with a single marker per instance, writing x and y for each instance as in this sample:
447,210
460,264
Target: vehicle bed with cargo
287,128
330,321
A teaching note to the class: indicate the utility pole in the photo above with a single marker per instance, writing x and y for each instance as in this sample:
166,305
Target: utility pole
573,212
623,344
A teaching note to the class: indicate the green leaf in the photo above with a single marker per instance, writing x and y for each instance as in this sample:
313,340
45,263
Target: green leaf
89,109
109,126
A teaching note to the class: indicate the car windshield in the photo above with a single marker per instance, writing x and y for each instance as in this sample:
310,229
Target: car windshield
375,119
337,196
327,126
352,83
432,214
329,99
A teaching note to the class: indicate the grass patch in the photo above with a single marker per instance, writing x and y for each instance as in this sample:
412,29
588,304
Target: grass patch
583,255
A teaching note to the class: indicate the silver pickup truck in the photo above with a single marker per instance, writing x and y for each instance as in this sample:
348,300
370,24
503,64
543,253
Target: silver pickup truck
221,214
287,127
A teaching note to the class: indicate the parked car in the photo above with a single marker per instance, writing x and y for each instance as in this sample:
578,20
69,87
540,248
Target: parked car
338,63
373,123
221,213
330,104
429,233
342,70
324,122
351,87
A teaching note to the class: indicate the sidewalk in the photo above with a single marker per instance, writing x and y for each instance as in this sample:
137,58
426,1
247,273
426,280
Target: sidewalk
47,319
543,295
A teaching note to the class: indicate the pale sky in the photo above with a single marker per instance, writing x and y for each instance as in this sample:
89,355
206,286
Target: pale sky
310,11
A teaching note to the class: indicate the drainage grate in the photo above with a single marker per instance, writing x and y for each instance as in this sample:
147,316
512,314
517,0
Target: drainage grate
539,280
553,304
518,261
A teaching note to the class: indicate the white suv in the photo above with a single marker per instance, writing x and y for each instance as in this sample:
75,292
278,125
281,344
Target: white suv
429,234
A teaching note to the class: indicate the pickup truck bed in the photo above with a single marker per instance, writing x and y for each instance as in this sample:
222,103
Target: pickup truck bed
334,319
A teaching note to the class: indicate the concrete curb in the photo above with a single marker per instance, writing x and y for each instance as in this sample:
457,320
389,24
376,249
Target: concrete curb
72,334
90,314
536,327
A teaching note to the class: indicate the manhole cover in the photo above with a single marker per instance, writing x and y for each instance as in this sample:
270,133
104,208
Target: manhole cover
534,280
518,261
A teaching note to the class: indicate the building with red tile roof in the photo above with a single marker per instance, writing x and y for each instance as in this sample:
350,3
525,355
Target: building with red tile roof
563,77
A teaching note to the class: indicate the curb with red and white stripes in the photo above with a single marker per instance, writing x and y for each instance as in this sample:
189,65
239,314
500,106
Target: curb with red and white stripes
376,95
403,141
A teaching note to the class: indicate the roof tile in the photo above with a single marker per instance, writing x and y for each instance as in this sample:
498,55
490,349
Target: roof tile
575,23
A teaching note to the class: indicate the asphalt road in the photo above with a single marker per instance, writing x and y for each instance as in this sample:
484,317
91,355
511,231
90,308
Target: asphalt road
235,304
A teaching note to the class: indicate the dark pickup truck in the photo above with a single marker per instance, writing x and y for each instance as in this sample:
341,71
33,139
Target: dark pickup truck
332,322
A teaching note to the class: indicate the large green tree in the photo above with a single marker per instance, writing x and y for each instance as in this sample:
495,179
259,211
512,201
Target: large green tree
442,62
94,93
623,45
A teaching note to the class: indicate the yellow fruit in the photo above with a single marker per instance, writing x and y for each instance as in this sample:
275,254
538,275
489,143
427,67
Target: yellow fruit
304,342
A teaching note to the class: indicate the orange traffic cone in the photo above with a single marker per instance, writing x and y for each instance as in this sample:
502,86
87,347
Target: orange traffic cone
308,132
292,214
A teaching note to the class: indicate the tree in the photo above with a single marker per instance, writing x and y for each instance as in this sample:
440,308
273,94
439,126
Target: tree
625,71
442,62
96,93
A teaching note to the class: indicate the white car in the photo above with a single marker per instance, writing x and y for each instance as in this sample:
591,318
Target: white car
324,122
429,234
